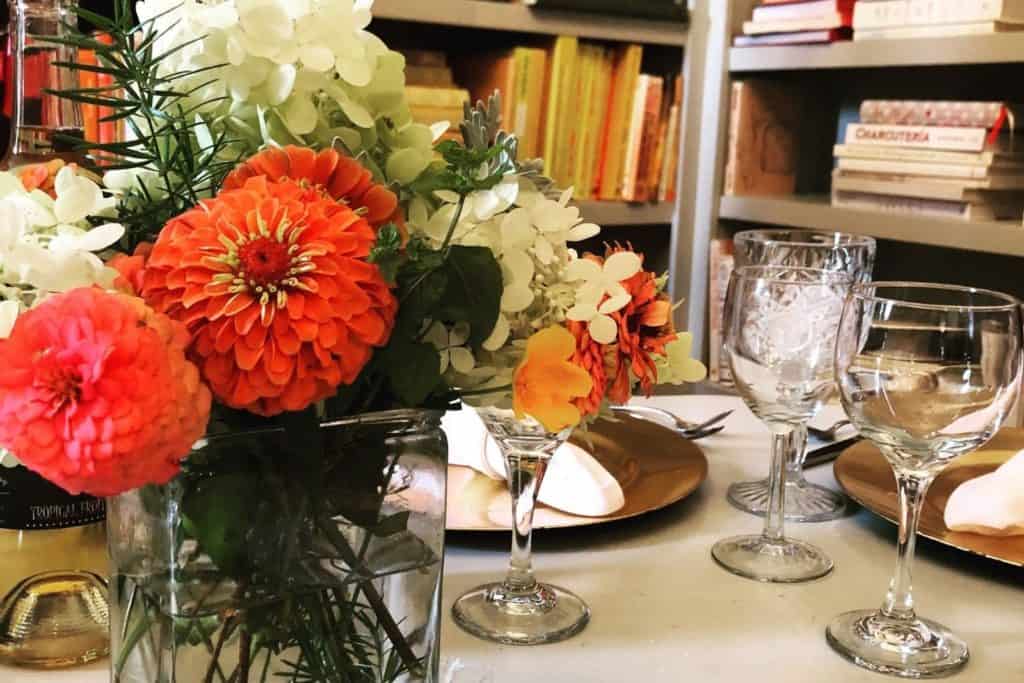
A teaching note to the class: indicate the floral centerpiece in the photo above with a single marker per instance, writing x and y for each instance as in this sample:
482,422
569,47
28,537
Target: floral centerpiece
243,360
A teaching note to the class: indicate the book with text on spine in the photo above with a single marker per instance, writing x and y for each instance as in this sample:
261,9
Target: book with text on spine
925,155
927,168
918,186
928,137
831,35
982,28
919,206
900,13
958,114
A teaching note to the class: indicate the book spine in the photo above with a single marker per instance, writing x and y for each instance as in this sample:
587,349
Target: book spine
901,13
831,20
933,113
922,137
880,14
919,155
732,161
627,187
914,168
720,267
520,101
670,164
648,138
902,205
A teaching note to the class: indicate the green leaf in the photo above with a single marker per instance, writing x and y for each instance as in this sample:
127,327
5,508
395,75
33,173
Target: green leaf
218,509
421,288
387,252
473,293
413,368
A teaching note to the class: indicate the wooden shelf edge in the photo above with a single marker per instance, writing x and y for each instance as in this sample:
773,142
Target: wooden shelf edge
624,214
926,52
512,16
994,237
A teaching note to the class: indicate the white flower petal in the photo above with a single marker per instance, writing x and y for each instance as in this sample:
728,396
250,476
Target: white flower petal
582,269
583,231
64,181
101,237
438,129
566,196
622,265
316,57
445,357
459,334
355,71
615,303
77,201
437,335
582,312
356,113
603,329
280,83
544,251
499,335
516,298
447,196
405,165
519,265
8,315
300,115
462,360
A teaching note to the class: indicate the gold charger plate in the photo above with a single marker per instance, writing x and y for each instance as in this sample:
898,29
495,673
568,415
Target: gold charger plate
865,476
654,465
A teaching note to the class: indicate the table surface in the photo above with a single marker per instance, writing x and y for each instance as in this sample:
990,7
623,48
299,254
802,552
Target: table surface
664,612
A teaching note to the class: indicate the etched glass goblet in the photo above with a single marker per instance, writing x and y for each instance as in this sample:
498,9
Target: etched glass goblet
841,252
928,373
519,610
780,344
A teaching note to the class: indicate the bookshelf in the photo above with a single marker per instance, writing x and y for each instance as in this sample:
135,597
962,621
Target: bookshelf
512,16
618,214
982,253
814,211
985,49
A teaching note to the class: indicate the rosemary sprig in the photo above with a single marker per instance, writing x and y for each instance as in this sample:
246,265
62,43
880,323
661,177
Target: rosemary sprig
179,159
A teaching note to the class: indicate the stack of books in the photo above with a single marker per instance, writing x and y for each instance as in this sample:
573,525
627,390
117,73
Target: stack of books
603,127
949,159
430,88
874,19
792,22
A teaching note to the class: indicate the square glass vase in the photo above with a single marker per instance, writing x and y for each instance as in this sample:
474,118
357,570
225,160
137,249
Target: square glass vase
277,556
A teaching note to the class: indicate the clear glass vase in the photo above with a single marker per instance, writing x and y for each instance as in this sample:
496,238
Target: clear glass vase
277,555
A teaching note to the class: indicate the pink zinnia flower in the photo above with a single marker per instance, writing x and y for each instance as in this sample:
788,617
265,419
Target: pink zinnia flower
96,394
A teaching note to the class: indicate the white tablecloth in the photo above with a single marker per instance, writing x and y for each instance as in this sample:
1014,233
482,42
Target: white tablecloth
664,612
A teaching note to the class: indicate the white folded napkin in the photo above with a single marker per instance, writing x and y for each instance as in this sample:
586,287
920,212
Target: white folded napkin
575,482
992,504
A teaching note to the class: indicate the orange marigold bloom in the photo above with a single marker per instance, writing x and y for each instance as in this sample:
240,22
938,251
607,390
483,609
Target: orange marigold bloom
590,356
341,177
547,382
274,284
645,327
41,176
96,394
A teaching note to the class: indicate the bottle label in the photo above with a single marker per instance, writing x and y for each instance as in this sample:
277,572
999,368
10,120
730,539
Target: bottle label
29,502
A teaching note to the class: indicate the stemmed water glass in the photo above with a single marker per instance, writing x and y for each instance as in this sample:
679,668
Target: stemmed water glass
927,373
836,251
780,344
519,610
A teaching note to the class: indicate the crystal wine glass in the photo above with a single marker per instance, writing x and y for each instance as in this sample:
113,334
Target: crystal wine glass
780,343
851,254
928,373
519,610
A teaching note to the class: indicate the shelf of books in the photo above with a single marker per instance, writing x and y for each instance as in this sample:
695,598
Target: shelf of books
816,212
612,214
495,15
943,51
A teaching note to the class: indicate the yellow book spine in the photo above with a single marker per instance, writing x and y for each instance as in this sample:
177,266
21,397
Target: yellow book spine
567,123
618,130
519,122
588,65
596,123
536,81
551,101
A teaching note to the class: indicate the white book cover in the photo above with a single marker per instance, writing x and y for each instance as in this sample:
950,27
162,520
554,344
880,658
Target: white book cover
909,13
925,155
917,206
918,186
927,137
922,168
983,28
799,10
830,20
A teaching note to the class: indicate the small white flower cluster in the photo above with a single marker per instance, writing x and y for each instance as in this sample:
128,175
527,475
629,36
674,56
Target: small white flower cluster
294,71
529,234
47,245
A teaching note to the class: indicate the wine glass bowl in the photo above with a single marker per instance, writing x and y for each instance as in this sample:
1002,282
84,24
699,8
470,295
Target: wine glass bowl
928,373
832,251
780,342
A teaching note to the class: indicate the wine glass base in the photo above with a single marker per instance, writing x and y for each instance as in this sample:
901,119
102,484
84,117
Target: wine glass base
763,559
805,502
914,649
547,614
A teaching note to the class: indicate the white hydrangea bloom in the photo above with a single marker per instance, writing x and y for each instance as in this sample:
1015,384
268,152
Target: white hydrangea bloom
48,246
451,346
602,293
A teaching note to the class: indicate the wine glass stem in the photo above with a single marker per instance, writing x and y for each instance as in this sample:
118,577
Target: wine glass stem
899,602
525,474
782,447
798,453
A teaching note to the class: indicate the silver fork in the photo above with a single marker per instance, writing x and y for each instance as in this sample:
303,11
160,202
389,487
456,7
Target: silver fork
690,430
830,434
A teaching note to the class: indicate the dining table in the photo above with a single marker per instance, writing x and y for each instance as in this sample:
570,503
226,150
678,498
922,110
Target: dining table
664,612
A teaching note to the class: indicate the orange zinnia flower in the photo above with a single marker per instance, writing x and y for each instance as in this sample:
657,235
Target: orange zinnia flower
273,282
340,177
645,327
590,356
547,382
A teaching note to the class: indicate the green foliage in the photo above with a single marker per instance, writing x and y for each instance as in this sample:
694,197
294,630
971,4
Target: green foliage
474,290
179,157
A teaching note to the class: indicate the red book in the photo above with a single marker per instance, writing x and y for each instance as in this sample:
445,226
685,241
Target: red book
818,15
831,35
786,11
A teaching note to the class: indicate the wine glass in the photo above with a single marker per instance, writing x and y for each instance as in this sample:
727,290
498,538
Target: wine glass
519,610
928,373
780,344
851,254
